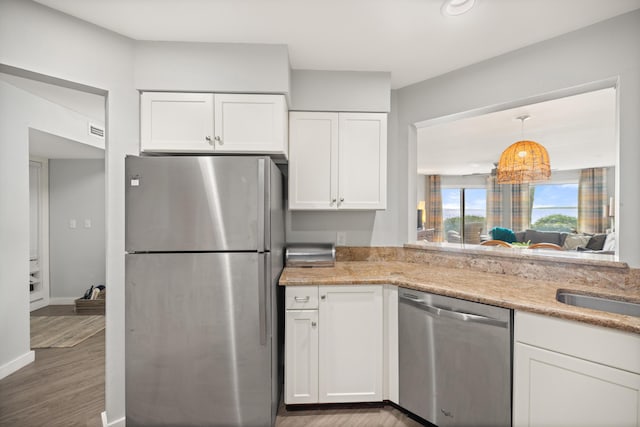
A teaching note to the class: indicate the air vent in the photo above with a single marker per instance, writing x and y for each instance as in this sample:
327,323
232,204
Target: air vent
96,130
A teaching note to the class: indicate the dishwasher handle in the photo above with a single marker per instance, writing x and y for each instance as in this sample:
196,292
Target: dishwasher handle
450,314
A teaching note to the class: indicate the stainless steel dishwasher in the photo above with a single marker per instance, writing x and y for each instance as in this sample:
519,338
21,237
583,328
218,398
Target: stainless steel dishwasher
455,360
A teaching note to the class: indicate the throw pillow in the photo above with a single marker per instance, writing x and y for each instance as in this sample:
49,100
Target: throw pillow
573,241
504,234
596,242
610,242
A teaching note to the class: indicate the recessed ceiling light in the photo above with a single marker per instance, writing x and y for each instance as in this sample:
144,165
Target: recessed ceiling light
456,7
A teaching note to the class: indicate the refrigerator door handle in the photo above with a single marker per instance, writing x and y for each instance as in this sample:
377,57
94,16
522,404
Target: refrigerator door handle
261,205
262,298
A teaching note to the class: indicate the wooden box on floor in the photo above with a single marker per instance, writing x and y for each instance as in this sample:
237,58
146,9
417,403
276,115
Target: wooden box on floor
90,306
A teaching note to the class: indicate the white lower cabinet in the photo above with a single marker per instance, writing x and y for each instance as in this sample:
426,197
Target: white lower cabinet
335,353
572,374
301,356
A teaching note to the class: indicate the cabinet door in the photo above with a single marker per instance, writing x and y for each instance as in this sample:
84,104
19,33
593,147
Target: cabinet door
250,124
176,122
362,161
553,389
301,357
313,163
350,368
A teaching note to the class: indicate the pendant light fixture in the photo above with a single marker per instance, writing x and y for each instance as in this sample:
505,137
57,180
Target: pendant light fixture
524,161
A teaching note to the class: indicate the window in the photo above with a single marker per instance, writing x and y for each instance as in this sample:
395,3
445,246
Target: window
555,207
467,203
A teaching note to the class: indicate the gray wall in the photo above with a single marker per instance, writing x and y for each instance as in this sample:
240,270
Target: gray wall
204,67
604,53
77,255
340,91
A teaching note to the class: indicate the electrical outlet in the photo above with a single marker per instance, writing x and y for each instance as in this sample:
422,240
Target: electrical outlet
73,223
87,223
341,238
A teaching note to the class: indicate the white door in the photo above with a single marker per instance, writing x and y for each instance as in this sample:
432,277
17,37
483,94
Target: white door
351,332
176,122
553,389
250,123
313,161
301,357
363,161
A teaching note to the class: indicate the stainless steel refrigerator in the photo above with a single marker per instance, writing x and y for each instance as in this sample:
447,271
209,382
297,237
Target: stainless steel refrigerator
204,243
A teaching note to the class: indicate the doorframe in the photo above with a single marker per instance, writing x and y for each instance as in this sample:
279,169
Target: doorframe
43,234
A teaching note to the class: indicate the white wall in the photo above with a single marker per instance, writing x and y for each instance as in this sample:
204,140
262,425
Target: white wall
340,91
21,111
210,67
87,104
38,39
605,51
77,255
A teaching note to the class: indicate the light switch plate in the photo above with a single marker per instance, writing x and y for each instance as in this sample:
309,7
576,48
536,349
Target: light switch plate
73,223
341,238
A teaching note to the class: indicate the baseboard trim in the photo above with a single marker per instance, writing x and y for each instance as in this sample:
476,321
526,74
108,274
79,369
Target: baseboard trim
17,363
62,301
121,422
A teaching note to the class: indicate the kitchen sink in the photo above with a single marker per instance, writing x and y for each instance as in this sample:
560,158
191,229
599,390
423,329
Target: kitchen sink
599,303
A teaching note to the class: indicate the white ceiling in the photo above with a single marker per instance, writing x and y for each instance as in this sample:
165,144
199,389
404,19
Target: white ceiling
409,38
578,132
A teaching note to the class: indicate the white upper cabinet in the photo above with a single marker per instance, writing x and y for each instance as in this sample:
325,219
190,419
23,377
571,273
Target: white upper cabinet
176,122
313,178
362,154
337,161
206,123
250,123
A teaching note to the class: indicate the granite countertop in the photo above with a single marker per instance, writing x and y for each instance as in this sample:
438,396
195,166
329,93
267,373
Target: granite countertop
536,296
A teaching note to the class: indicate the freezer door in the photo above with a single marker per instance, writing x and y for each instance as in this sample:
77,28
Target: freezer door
201,203
198,340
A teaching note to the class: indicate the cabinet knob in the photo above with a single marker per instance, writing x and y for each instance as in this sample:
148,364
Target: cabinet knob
323,297
333,202
208,138
313,324
341,199
219,140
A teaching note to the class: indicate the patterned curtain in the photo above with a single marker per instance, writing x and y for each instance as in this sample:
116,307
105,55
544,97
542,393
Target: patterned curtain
592,197
520,207
434,207
494,203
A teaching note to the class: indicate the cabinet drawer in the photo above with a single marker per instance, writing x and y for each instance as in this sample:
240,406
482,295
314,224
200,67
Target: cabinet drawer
302,297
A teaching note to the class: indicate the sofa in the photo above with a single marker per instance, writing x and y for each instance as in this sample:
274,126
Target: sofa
584,242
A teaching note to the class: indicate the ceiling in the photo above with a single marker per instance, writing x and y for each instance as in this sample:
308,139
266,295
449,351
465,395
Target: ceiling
409,38
578,132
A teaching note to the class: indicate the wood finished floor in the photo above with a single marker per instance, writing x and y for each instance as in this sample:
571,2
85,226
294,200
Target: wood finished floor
65,387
